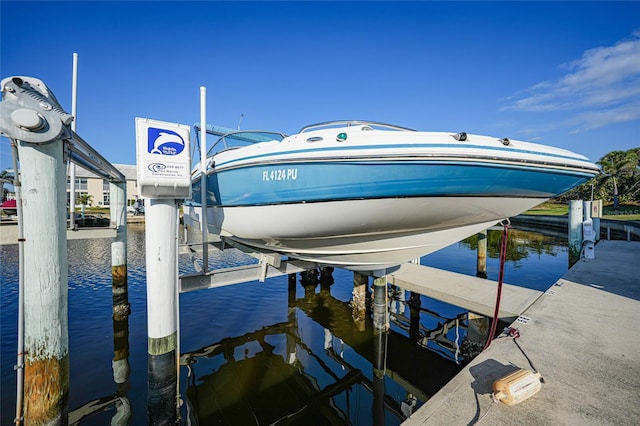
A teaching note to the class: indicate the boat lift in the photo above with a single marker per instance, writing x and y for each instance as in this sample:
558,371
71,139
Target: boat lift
270,264
41,135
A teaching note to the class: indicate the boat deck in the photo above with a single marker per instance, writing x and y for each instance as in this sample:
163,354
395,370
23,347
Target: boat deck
582,336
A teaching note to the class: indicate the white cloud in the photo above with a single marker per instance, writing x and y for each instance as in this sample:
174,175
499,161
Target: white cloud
590,120
600,88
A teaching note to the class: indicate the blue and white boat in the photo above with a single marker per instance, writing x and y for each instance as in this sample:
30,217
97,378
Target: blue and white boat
367,196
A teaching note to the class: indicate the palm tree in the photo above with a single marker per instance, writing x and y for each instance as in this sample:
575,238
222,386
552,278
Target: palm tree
618,164
84,199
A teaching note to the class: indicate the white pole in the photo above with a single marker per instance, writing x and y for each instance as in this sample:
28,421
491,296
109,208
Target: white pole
118,219
46,338
161,252
575,231
72,168
203,179
20,361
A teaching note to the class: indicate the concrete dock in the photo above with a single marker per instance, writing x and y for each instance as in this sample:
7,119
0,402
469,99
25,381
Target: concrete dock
582,335
9,231
474,294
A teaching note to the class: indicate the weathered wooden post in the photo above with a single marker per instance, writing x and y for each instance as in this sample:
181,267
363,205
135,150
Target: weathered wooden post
481,270
359,300
37,126
575,231
414,316
39,130
379,371
118,215
291,319
380,306
380,327
120,366
46,339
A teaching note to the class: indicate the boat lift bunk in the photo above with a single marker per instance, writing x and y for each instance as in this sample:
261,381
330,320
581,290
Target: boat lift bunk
270,264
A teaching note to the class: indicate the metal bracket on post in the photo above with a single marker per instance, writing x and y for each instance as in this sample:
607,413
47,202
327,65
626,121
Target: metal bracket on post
30,112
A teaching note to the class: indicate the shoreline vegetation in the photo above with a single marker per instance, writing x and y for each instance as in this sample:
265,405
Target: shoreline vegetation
623,212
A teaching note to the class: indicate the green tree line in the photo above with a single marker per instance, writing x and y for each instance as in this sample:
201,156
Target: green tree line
618,183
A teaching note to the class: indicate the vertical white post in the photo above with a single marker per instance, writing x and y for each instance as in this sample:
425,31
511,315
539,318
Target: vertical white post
161,251
118,219
120,306
596,214
20,358
481,264
46,339
575,231
586,210
203,179
72,166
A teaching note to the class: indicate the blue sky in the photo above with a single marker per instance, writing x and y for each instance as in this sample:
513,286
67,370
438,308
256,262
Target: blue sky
565,74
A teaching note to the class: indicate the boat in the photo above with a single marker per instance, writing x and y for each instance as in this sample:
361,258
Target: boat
367,196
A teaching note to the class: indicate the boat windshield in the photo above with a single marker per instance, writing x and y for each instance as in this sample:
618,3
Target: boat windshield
243,138
367,125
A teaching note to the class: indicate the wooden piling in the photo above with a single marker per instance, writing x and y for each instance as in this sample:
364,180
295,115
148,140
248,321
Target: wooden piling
380,328
46,339
121,370
481,269
380,305
414,316
575,231
118,215
379,371
359,300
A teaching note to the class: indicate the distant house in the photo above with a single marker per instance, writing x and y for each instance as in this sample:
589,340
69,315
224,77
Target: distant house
98,188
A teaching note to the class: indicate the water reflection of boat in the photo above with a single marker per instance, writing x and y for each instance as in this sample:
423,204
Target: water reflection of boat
275,375
365,196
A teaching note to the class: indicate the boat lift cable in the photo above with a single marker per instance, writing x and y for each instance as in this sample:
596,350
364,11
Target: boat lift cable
503,257
19,367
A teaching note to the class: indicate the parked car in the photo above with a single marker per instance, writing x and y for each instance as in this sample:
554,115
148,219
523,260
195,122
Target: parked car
9,207
136,208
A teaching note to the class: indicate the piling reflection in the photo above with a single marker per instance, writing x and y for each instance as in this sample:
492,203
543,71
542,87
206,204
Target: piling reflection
324,365
119,400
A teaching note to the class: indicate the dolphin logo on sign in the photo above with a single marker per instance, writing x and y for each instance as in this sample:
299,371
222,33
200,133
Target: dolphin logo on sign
164,142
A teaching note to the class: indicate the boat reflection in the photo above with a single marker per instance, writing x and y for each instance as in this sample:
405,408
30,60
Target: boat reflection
325,365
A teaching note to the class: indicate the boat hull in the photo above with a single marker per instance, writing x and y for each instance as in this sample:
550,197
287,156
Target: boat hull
363,235
364,199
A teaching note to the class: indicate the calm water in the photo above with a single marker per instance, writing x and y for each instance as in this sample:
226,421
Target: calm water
260,353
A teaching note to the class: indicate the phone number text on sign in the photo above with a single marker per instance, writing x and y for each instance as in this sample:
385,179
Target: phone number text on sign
280,174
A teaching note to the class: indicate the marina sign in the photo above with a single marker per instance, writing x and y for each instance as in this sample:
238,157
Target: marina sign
163,159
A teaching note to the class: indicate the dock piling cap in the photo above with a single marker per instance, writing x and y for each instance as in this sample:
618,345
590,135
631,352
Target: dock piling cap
516,387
